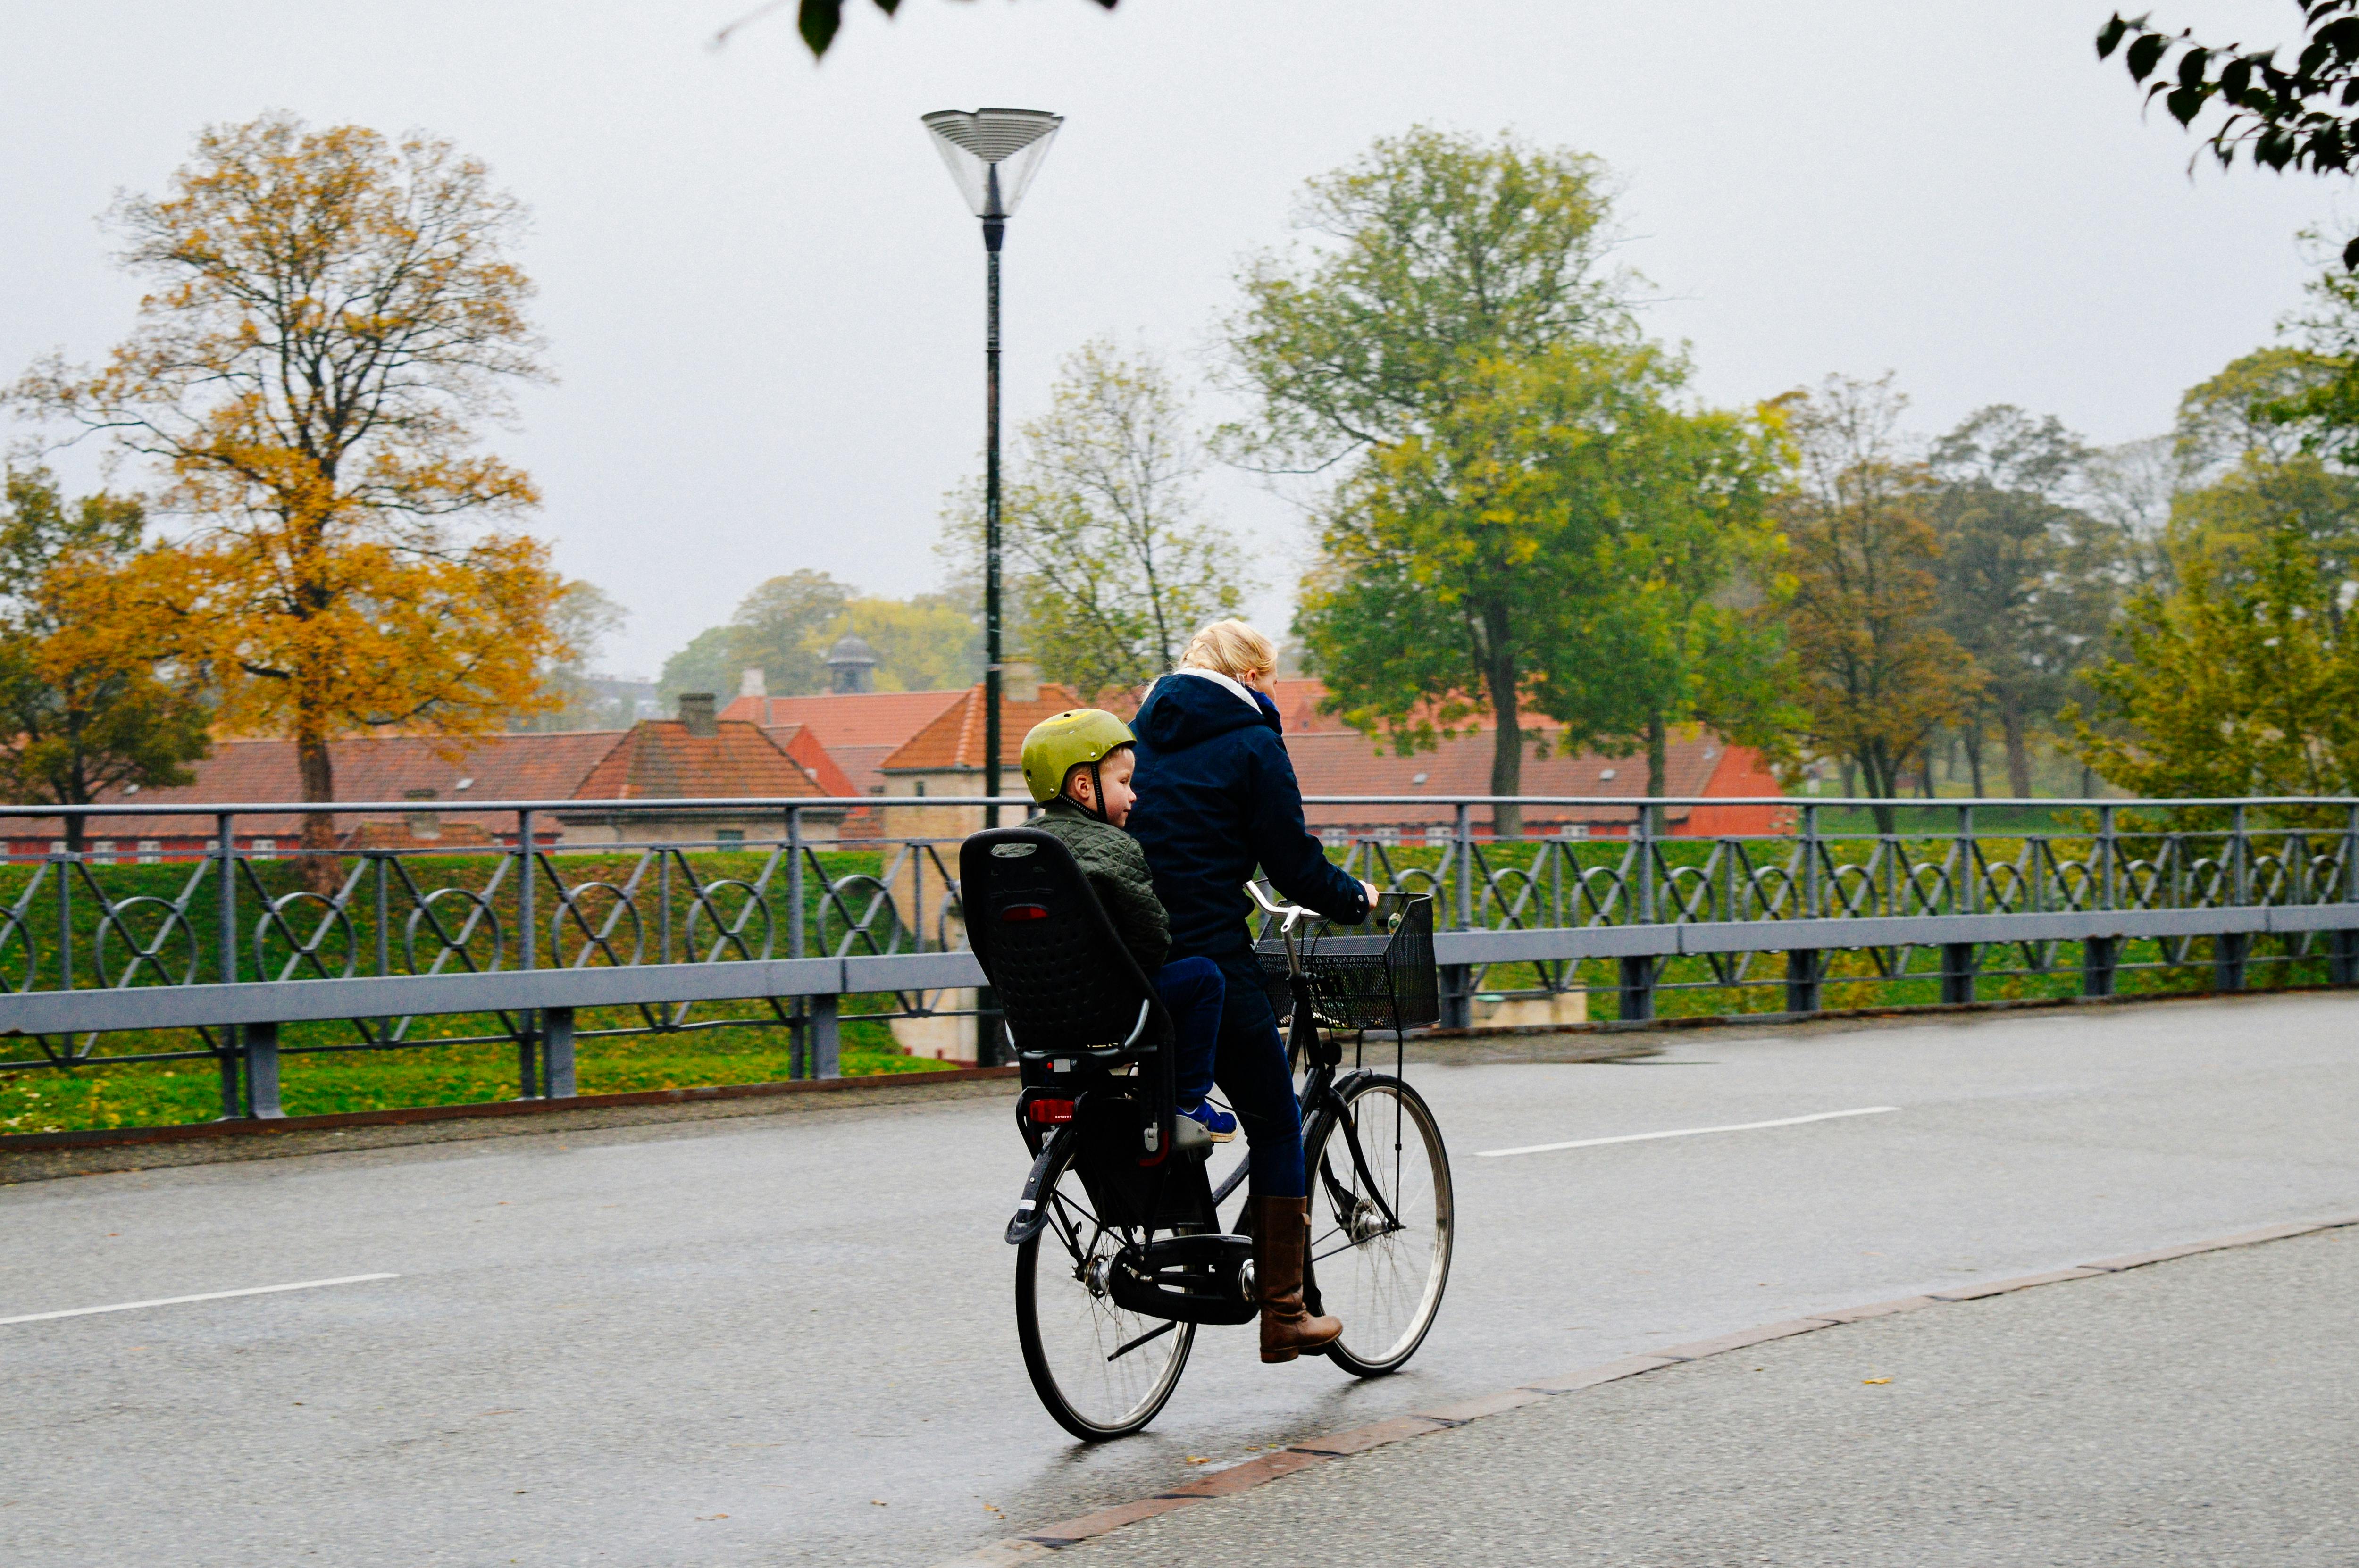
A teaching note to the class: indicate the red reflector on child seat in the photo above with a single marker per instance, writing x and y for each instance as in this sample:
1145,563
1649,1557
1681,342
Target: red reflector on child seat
1051,1112
1024,912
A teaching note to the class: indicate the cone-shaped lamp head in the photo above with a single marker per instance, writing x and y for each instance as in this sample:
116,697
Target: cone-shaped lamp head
993,153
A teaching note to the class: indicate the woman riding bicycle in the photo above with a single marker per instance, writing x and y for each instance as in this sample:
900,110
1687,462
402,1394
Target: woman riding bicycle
1216,798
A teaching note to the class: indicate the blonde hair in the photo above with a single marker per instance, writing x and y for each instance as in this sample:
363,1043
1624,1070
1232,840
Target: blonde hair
1231,647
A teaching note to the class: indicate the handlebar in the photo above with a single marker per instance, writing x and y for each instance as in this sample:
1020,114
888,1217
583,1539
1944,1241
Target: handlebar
1292,912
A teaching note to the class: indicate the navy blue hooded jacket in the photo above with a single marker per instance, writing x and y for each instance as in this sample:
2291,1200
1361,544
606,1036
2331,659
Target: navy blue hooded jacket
1216,798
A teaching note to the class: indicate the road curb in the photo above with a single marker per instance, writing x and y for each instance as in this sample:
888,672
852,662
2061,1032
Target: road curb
1047,1540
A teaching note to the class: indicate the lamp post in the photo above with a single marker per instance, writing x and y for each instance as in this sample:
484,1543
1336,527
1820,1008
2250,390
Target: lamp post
993,154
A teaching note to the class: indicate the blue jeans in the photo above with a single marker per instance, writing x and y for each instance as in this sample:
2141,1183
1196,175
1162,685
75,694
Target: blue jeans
1193,990
1251,1070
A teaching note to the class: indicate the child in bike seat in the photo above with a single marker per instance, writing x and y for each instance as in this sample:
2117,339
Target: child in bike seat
1078,767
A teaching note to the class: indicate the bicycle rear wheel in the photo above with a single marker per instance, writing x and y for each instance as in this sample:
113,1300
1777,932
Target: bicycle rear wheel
1382,1218
1101,1369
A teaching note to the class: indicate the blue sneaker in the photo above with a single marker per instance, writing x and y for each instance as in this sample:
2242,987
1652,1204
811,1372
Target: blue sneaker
1213,1120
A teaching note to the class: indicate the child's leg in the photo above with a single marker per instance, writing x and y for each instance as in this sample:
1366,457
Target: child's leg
1192,992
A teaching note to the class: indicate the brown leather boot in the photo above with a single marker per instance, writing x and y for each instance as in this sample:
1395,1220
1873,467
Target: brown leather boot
1281,1237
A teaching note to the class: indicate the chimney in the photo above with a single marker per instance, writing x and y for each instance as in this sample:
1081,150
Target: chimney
696,712
749,683
1019,681
422,824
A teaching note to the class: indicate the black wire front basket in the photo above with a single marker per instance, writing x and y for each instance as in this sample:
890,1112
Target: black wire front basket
1377,975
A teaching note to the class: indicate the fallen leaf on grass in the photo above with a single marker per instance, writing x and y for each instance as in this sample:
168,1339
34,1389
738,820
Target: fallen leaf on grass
1876,1380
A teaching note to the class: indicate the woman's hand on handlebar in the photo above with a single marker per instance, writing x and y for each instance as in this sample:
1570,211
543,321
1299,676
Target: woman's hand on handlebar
1370,889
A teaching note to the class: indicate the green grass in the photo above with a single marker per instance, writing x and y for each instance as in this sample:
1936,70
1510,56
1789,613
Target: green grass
445,1069
1689,988
106,1093
101,1095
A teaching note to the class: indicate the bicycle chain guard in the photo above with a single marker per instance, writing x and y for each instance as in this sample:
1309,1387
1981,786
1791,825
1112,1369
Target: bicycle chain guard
1194,1279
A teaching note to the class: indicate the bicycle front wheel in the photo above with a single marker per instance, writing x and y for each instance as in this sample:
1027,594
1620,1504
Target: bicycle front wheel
1101,1369
1382,1217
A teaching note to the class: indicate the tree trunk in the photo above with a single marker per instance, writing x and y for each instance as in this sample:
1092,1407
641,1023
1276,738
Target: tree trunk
318,773
1507,778
2018,751
1882,772
1657,754
1972,736
1507,749
1850,779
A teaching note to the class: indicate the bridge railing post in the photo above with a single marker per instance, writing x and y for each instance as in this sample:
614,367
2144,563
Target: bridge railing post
2342,945
1456,982
826,1043
229,1054
1805,970
262,1072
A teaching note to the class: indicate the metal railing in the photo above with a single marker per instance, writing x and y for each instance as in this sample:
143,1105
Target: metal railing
206,954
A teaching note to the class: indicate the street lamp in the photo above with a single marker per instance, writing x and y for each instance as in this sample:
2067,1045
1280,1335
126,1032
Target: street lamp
993,154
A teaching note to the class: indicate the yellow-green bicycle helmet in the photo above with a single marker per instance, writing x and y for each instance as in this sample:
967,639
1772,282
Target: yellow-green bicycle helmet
1056,746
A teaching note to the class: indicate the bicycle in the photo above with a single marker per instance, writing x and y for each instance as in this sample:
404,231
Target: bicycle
1107,1313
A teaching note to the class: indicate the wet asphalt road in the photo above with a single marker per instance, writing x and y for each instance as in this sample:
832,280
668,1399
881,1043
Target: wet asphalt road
790,1339
2203,1410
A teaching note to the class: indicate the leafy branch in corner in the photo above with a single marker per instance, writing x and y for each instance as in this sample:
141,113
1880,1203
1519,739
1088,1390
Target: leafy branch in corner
2304,116
817,20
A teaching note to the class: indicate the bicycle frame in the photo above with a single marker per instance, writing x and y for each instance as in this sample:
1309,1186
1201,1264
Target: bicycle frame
1320,1086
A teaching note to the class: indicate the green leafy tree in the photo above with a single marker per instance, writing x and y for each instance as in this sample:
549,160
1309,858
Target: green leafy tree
1559,540
930,641
1439,254
84,710
2244,681
1112,565
1456,298
2236,669
2029,584
707,663
778,629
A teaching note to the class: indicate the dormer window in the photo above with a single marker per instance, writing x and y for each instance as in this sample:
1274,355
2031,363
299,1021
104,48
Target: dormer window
1605,775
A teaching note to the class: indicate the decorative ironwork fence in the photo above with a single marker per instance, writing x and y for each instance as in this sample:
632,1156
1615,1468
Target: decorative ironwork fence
206,954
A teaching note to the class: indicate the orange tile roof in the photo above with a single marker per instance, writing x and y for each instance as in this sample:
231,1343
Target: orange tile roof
1345,763
797,741
660,760
370,768
954,739
1299,699
847,718
864,765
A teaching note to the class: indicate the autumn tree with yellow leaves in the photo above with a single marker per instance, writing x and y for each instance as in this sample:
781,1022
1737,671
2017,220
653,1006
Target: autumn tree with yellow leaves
1879,677
331,318
82,710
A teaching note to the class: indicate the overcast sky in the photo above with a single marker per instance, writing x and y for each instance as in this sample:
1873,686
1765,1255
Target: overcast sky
764,297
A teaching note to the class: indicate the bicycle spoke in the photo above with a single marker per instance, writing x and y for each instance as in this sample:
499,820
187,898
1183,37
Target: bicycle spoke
1381,1253
1150,1333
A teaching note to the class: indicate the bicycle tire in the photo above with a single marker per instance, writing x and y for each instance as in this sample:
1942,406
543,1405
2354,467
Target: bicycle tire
1062,1320
1385,1252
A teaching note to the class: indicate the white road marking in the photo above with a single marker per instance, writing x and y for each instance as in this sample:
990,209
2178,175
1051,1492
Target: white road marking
1684,1132
207,1296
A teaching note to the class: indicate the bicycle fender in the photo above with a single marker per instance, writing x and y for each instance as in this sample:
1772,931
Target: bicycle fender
1031,1212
